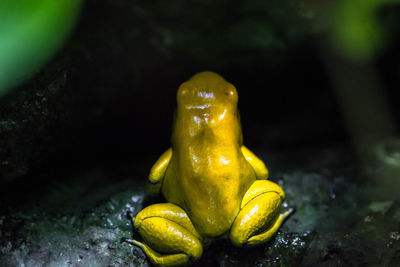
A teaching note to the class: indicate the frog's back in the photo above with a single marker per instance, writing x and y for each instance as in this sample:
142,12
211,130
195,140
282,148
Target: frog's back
208,174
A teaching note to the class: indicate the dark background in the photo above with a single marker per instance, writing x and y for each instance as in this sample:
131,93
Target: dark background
286,95
117,76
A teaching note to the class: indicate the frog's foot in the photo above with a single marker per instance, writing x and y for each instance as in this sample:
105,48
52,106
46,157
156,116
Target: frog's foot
259,218
169,236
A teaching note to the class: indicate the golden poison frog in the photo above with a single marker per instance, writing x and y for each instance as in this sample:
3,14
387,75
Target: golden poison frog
214,185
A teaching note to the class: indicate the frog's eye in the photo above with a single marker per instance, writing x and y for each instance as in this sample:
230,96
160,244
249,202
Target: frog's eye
183,93
227,93
183,90
231,92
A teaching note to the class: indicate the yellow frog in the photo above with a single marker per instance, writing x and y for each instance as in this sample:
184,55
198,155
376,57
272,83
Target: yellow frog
213,184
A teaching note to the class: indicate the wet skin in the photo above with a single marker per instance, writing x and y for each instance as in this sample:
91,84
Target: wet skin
213,184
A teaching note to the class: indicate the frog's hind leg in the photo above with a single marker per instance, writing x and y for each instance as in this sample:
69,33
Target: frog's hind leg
259,218
169,236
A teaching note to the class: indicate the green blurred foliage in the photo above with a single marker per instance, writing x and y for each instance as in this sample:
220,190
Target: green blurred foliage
31,31
356,30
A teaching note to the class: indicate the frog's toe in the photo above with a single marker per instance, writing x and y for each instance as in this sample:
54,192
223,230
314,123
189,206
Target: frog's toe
289,212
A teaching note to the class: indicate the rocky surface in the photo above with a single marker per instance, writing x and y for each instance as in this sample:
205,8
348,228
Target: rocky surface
339,219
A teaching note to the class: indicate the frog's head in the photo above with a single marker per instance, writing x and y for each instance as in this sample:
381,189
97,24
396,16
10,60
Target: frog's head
207,101
207,89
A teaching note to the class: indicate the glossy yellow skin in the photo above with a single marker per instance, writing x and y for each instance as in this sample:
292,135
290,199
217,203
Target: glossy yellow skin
214,185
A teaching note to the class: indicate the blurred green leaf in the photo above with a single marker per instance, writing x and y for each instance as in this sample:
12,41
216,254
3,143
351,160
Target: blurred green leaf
31,31
357,32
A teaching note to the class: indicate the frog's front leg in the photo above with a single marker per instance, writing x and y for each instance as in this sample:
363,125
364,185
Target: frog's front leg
157,172
169,236
259,217
258,165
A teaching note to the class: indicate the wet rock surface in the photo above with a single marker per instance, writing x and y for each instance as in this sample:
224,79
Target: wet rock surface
339,219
